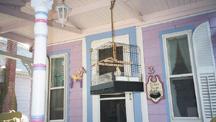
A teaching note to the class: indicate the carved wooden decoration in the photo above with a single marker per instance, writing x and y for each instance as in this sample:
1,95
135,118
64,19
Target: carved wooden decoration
78,76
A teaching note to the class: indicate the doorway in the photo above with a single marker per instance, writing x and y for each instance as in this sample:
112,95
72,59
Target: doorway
112,108
115,107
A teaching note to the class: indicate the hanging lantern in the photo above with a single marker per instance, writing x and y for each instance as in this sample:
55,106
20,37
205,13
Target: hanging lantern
63,11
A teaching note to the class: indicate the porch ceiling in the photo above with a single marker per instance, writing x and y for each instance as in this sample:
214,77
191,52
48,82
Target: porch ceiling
91,16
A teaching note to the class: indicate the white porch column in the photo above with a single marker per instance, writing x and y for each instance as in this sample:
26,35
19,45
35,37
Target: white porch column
41,8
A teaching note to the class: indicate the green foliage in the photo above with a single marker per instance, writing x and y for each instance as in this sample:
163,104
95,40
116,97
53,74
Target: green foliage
10,116
213,119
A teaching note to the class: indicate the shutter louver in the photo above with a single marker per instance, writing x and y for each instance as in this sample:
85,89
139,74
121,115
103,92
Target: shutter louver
205,70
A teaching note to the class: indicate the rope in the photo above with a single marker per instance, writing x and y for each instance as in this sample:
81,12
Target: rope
112,27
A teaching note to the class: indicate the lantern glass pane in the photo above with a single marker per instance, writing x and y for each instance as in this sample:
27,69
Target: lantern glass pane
65,12
60,12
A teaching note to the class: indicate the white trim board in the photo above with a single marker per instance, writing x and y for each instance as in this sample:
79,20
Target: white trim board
84,89
144,103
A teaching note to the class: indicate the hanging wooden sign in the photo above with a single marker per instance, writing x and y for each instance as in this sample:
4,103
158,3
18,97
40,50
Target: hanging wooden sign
154,87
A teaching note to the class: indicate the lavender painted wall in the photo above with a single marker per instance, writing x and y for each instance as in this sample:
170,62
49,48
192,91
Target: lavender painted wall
153,55
74,50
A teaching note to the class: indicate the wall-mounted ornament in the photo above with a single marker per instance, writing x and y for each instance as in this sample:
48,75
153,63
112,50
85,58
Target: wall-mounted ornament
154,86
78,76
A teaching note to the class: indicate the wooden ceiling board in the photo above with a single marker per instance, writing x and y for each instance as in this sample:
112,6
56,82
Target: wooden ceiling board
90,14
57,35
27,31
99,17
78,3
176,3
91,18
149,6
6,19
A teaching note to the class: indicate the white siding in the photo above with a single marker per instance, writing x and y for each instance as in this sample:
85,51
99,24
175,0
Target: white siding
23,90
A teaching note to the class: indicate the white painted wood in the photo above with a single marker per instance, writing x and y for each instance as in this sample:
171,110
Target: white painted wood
23,91
7,19
89,7
205,63
98,15
78,3
180,11
96,108
47,92
84,89
144,103
29,19
116,98
129,106
13,26
19,38
189,36
130,7
164,16
71,27
123,78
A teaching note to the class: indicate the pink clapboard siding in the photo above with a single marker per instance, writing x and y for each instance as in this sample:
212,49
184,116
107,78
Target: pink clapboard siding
75,63
153,55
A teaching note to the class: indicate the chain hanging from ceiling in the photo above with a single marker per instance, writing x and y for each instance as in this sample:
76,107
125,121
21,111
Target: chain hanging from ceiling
112,27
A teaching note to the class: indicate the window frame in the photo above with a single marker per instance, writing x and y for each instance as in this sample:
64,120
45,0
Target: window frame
188,33
65,57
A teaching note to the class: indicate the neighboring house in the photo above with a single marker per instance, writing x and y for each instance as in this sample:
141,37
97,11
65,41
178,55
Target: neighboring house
22,77
177,57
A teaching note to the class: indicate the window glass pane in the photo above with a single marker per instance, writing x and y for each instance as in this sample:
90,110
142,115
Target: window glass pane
57,72
3,44
178,55
23,50
20,67
183,97
113,111
56,104
2,69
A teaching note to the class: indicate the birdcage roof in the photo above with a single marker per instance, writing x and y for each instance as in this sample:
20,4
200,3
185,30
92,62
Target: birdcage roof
109,45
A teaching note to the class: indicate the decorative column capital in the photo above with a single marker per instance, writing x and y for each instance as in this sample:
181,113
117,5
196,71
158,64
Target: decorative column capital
37,4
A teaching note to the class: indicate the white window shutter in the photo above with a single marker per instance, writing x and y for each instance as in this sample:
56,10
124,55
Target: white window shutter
205,64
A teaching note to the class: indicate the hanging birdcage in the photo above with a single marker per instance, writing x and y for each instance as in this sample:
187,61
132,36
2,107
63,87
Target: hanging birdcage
115,66
111,75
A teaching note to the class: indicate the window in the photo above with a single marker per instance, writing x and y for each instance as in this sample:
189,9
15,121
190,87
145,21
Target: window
180,75
57,88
